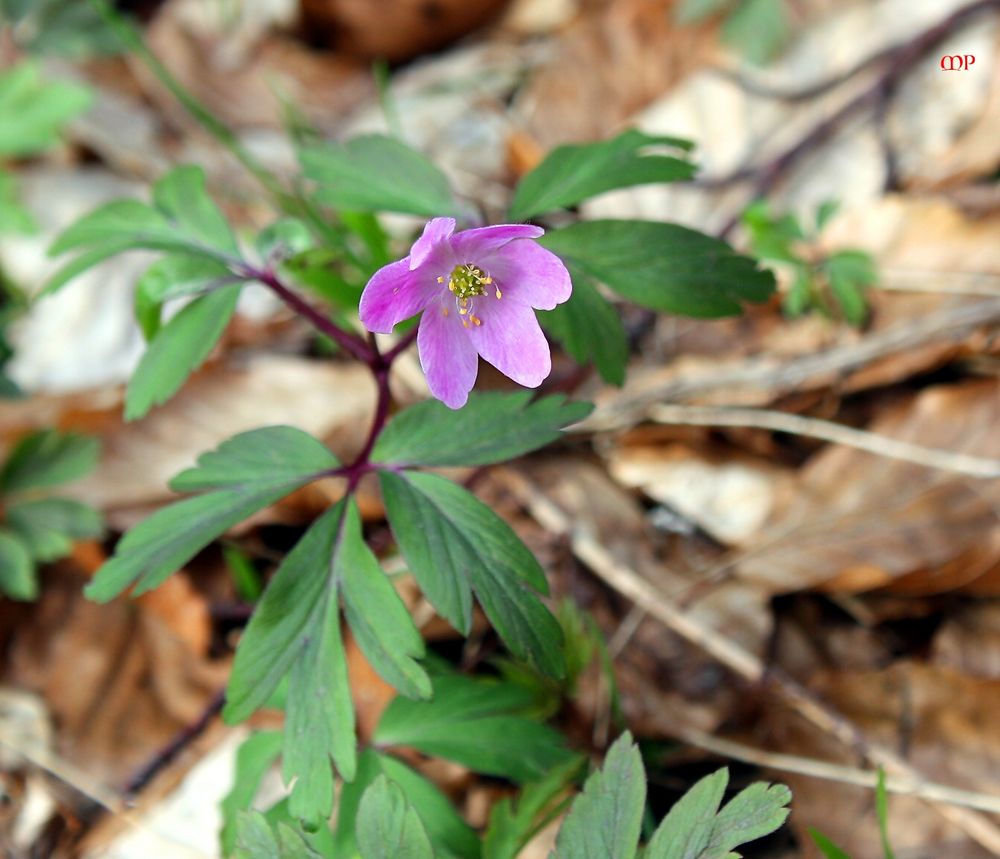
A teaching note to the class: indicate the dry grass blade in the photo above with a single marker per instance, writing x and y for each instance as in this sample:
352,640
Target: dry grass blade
880,445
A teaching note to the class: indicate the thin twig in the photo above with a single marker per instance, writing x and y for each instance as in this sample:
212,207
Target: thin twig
880,445
730,654
928,790
811,370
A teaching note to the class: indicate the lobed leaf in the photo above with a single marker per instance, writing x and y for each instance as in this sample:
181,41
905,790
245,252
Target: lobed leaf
572,173
456,547
589,328
169,538
374,173
663,266
388,827
491,427
256,840
481,724
687,829
605,820
48,526
178,349
48,458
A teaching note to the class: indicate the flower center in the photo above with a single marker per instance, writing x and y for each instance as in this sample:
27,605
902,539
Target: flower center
467,282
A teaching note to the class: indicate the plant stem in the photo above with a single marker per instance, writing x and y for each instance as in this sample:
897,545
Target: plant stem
379,365
350,343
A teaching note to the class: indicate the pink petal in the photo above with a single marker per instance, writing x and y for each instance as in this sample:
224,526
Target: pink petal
511,339
393,294
474,245
446,354
527,272
436,231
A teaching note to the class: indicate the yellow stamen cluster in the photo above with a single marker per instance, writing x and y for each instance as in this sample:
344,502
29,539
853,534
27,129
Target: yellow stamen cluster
467,282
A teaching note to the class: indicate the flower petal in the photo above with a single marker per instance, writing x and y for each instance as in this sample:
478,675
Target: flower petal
436,231
511,339
527,272
447,355
393,294
472,246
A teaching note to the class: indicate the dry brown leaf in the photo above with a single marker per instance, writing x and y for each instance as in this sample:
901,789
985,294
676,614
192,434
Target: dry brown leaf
856,521
117,678
943,721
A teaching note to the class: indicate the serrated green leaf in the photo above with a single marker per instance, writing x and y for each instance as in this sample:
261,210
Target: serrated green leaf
589,328
448,832
491,427
48,458
181,196
513,823
169,538
295,631
482,724
33,111
754,812
48,526
255,756
758,29
826,846
183,220
377,616
374,173
604,821
456,546
17,573
170,277
687,829
178,349
388,827
663,266
572,173
256,840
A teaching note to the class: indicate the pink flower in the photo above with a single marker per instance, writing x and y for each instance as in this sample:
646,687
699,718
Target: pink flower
477,289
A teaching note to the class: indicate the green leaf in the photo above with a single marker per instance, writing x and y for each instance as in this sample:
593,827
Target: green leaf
759,29
375,173
825,212
255,756
687,829
850,273
33,111
14,218
572,173
377,616
388,827
171,277
178,349
48,458
826,846
66,28
773,237
882,811
183,220
256,840
478,723
491,427
253,469
319,719
513,824
448,832
589,328
48,526
663,266
456,546
17,572
754,812
181,196
604,821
